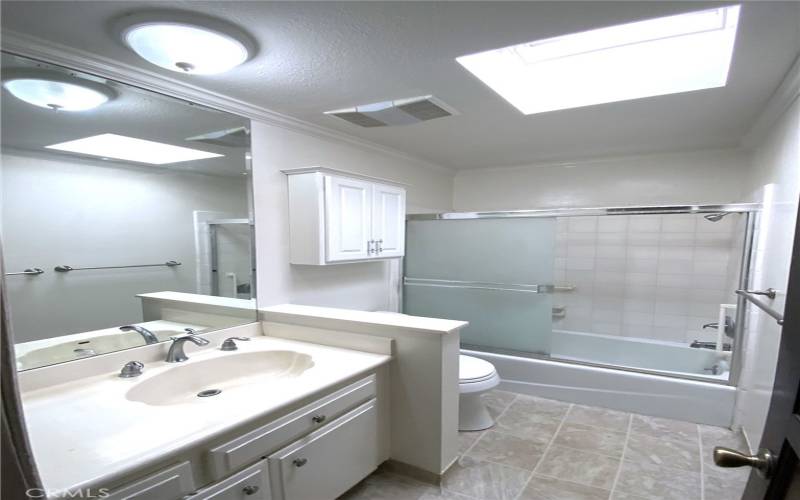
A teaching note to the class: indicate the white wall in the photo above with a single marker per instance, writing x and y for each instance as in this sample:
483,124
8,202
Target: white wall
774,180
80,214
365,286
703,176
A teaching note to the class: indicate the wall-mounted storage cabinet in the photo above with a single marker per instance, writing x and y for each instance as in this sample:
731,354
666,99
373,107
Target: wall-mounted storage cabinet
335,218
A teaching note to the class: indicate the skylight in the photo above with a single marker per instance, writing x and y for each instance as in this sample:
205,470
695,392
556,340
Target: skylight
648,58
121,147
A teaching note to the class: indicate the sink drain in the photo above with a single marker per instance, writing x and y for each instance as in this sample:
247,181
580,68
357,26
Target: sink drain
208,393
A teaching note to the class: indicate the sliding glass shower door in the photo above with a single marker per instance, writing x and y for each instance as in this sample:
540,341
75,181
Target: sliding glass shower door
498,274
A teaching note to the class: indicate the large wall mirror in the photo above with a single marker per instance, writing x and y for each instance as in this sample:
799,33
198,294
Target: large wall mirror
126,215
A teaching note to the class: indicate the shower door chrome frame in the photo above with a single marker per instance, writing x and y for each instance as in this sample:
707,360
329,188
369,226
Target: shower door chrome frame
572,212
749,210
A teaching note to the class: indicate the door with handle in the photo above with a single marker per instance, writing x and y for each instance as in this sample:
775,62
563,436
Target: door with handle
776,466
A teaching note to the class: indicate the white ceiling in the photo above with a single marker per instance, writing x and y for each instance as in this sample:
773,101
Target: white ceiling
133,112
318,56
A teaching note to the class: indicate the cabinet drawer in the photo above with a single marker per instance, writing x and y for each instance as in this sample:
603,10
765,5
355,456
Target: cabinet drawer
249,484
169,484
330,460
249,447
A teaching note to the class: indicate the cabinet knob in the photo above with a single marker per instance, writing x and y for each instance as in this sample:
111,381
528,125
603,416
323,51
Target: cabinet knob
369,247
299,462
378,246
318,419
250,490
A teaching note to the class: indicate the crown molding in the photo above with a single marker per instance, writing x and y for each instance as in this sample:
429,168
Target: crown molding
81,60
784,96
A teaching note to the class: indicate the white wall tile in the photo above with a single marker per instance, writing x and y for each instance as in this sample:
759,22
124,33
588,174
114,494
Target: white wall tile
582,224
677,223
612,224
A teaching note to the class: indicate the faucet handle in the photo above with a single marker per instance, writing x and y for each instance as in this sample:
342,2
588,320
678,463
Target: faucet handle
190,331
131,369
230,345
191,337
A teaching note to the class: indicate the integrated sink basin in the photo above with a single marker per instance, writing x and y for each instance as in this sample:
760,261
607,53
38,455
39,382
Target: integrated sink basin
208,379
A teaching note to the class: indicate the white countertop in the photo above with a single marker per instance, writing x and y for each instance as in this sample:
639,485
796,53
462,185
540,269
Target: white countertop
284,312
86,432
207,300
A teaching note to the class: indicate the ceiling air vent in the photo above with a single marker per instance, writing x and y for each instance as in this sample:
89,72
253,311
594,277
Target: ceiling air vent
398,112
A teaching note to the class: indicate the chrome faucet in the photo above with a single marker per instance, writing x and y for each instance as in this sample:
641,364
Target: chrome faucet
176,354
148,336
730,326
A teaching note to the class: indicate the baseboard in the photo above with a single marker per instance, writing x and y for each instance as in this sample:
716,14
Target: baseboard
411,471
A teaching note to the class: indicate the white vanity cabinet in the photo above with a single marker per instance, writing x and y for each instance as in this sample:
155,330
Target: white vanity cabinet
316,452
327,462
252,483
335,218
171,483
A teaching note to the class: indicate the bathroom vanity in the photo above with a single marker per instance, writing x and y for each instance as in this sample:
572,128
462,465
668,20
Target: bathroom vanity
274,419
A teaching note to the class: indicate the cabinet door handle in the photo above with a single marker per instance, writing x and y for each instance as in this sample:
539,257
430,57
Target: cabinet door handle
250,490
318,419
299,462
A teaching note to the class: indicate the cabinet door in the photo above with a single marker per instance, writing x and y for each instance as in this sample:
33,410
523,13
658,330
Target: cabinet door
389,220
329,461
347,218
169,484
250,484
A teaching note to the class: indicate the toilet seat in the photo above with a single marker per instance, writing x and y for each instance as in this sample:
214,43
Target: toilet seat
471,370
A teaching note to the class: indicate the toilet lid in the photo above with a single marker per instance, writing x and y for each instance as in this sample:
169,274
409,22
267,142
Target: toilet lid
471,369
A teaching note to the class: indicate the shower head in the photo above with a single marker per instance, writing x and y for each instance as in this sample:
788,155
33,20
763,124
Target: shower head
715,217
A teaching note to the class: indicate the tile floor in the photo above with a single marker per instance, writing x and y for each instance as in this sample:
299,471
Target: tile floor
542,449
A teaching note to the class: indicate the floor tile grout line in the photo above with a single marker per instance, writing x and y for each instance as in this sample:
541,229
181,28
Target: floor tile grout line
546,449
702,465
622,458
562,480
483,432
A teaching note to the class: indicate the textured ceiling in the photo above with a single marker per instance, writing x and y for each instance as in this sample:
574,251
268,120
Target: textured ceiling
133,112
318,56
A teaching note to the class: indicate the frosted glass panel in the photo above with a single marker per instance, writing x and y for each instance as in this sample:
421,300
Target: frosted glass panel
501,251
498,250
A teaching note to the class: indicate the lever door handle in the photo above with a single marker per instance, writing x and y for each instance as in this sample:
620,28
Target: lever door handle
763,461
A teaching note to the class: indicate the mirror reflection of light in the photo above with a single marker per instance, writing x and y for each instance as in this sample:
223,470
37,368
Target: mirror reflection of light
126,148
55,95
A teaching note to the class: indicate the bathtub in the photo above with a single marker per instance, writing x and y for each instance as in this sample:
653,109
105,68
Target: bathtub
661,394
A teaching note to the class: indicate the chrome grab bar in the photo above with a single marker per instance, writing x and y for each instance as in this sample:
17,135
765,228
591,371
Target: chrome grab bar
486,285
66,269
31,271
750,295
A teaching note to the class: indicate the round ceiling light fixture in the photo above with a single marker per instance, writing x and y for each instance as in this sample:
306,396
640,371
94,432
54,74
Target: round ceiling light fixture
205,48
56,91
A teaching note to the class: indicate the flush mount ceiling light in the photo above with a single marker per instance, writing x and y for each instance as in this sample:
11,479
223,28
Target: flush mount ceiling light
205,48
660,56
56,91
126,148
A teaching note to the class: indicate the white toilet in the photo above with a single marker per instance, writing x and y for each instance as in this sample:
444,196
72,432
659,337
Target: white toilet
475,377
